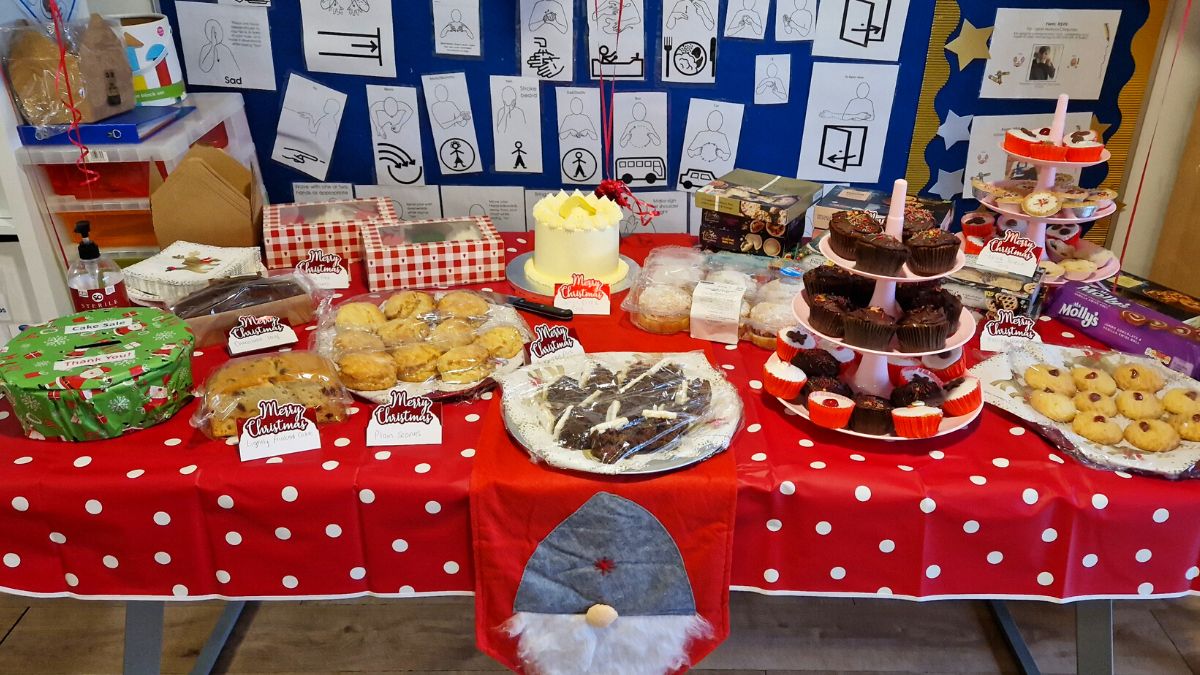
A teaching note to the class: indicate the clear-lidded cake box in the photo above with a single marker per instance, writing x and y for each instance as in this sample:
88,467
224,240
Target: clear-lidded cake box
662,299
436,253
291,230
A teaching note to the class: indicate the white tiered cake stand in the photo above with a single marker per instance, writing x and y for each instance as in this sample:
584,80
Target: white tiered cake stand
1047,171
871,375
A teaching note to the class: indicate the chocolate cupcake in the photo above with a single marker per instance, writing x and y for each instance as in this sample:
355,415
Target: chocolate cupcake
825,314
828,279
880,254
908,296
932,252
917,218
953,307
847,227
829,384
816,363
930,294
870,328
919,388
872,415
924,329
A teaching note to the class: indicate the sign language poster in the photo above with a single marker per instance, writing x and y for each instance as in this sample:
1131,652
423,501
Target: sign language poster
845,127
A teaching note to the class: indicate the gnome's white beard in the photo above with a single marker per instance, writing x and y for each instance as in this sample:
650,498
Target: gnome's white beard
564,644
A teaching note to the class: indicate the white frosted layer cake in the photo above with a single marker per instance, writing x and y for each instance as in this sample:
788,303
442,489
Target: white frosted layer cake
575,234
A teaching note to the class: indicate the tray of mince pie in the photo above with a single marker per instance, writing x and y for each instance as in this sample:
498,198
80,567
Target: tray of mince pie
1107,409
446,345
621,412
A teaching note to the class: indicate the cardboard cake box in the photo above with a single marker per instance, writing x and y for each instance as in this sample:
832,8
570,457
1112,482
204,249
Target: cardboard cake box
434,253
874,202
291,230
210,198
751,212
990,291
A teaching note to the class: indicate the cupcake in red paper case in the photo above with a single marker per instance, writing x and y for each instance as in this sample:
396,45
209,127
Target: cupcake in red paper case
782,379
963,396
1083,150
1066,233
1018,141
978,224
896,365
847,358
1006,223
946,366
789,342
918,388
1048,151
830,410
917,421
974,245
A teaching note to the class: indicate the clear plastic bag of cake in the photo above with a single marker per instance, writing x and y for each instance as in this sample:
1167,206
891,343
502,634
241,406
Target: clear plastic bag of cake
212,311
622,412
449,345
284,385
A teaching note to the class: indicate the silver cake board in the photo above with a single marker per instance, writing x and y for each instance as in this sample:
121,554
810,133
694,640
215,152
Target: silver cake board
516,276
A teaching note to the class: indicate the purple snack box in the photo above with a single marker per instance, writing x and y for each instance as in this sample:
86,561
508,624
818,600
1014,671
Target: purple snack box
1127,326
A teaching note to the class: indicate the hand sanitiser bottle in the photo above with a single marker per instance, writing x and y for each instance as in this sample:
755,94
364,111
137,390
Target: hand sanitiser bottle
96,281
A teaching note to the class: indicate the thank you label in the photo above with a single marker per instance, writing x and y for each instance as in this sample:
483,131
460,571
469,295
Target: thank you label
1005,331
277,429
716,310
325,269
256,333
1010,253
405,420
583,296
552,342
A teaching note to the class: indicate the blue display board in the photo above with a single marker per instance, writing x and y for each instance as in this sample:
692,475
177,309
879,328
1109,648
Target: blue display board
770,138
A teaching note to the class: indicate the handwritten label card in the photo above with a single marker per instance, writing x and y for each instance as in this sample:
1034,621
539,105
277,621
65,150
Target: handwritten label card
258,333
1006,331
325,269
1010,253
405,420
277,429
552,342
583,296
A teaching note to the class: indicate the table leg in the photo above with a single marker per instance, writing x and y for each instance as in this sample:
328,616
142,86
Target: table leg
1012,637
218,637
143,637
1094,637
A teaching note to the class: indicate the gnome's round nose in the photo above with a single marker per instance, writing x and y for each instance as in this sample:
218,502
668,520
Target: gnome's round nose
601,616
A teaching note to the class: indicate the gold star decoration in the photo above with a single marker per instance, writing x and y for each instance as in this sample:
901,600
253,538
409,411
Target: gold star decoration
1098,126
971,44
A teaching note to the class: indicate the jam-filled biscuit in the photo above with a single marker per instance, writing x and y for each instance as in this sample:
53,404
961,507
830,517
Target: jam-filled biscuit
359,316
1188,426
1182,401
1046,376
1152,435
502,341
1139,405
1093,379
1095,402
1052,404
1097,428
1138,377
408,303
367,371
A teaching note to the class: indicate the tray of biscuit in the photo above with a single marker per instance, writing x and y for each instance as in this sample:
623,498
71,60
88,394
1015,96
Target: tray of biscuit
1108,409
447,345
621,412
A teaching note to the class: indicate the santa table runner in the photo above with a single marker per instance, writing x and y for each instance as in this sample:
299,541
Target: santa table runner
585,574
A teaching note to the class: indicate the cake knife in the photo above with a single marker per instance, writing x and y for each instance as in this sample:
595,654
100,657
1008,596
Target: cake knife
548,311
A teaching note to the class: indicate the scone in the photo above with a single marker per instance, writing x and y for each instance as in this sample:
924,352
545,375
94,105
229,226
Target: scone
1138,378
1188,426
1139,405
1097,428
359,316
1052,404
451,333
408,303
416,362
462,365
463,304
1182,401
1095,402
404,331
1093,379
357,341
1046,376
367,371
502,342
1152,435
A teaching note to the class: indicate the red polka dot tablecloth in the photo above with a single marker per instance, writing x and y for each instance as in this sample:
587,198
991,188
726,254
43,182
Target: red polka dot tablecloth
996,512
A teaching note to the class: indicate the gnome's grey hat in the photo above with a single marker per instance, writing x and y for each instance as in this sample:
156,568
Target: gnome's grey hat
611,551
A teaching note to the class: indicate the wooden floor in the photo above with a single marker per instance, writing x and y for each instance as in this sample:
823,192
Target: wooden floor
770,635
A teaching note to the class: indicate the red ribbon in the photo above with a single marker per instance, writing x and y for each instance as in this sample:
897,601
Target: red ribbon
63,76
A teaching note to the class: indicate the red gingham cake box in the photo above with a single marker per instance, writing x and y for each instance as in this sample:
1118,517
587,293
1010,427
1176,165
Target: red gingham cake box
432,253
291,230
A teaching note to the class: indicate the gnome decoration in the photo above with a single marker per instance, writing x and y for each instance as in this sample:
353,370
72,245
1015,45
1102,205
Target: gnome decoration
605,592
